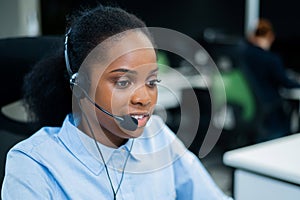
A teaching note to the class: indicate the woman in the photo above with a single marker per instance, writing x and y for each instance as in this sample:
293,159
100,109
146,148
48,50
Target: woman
266,73
109,145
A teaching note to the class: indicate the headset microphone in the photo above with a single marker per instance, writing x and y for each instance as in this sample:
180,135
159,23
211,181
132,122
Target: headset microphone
126,121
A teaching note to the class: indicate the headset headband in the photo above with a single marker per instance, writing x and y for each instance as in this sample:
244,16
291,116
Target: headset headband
70,72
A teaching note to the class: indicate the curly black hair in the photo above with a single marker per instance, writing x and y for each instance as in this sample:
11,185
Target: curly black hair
47,92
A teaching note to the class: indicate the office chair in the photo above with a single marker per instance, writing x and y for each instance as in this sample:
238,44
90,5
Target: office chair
273,116
17,56
250,114
195,131
240,104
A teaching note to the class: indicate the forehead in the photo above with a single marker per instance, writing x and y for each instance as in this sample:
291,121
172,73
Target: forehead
116,47
128,49
129,43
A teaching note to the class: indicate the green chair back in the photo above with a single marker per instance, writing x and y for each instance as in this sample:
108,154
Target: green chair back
237,92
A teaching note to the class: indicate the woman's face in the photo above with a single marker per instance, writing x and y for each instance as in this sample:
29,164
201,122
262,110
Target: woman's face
127,85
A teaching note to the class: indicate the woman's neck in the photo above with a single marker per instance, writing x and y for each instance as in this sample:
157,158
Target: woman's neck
101,135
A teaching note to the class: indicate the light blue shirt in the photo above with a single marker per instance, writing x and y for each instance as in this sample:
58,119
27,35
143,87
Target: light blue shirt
63,163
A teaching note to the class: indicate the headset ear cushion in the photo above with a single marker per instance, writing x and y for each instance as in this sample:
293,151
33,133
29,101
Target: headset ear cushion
78,84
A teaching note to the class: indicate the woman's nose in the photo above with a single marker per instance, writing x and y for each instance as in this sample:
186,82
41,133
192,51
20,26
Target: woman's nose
141,96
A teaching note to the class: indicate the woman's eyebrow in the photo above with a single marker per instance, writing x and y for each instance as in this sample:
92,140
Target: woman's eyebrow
154,71
123,70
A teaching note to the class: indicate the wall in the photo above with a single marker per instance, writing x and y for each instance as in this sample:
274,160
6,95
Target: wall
19,18
191,17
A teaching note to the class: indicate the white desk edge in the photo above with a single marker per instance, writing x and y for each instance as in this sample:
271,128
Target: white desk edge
279,158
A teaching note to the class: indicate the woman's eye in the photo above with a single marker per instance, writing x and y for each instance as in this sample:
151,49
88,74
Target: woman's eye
123,84
153,83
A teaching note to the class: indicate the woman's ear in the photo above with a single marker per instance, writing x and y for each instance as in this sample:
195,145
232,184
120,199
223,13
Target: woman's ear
79,85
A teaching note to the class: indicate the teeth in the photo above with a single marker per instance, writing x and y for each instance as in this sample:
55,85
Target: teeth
138,116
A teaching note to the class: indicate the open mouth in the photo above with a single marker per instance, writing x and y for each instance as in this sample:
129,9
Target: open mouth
138,117
142,118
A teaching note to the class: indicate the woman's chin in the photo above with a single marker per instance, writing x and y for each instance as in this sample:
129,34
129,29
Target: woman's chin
134,134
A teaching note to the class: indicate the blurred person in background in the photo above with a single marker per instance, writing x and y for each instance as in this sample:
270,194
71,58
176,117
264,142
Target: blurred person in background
267,75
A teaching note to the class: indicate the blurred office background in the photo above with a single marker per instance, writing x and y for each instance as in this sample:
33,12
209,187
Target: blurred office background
194,18
214,24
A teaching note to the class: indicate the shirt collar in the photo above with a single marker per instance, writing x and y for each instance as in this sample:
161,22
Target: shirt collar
84,148
107,152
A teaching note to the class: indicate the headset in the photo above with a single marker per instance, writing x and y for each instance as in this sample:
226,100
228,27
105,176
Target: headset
78,82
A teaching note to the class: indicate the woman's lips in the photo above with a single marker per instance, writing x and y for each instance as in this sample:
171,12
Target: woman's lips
142,119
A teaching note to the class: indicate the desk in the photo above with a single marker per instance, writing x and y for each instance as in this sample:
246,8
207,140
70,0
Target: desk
293,95
16,111
269,170
173,82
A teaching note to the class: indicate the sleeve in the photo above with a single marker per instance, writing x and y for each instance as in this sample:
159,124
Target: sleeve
193,181
25,178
